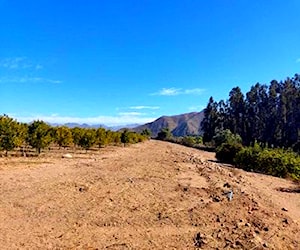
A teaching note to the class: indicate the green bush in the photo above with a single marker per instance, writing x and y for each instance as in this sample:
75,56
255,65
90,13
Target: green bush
188,141
227,152
276,162
164,134
247,158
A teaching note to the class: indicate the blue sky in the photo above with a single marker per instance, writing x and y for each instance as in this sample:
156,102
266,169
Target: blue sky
131,61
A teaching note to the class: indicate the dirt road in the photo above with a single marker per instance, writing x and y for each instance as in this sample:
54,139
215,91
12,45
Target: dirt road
152,195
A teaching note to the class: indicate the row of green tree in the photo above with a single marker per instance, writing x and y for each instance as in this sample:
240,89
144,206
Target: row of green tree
268,114
40,135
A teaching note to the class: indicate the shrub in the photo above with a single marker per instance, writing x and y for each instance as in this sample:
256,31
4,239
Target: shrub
226,136
276,162
188,141
164,134
247,157
227,152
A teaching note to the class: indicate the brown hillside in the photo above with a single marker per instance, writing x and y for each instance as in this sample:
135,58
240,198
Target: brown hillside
153,195
179,125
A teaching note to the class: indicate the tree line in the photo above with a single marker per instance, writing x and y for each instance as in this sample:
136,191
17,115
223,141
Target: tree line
40,135
267,114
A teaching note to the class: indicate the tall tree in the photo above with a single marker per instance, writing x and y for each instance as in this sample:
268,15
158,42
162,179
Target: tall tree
255,115
270,115
222,117
273,131
210,120
288,112
236,111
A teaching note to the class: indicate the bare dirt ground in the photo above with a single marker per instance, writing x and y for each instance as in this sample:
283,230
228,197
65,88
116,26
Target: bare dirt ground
152,195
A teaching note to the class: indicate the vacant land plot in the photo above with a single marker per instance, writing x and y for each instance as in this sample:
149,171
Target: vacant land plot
152,195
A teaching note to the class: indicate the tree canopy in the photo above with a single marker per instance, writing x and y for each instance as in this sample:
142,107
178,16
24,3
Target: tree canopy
269,114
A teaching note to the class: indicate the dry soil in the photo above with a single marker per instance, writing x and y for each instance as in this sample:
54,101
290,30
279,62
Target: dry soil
152,195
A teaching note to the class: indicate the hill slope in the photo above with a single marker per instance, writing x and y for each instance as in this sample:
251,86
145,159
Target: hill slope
179,125
153,195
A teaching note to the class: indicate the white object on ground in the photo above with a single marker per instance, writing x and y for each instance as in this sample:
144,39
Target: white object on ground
230,195
69,156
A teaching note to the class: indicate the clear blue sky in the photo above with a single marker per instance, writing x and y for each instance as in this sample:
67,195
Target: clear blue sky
131,61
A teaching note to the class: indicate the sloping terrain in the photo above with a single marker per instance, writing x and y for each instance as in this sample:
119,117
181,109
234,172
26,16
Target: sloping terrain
179,125
153,195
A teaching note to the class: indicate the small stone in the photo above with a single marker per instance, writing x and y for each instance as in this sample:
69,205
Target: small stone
285,220
216,199
265,245
266,229
159,216
284,209
68,156
227,185
199,240
238,243
247,224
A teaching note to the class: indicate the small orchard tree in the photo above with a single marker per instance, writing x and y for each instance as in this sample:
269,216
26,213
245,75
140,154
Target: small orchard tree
109,137
76,135
39,135
88,139
125,137
117,138
22,132
101,137
63,136
8,133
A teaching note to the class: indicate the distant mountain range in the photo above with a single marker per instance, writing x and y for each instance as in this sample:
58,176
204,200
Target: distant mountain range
85,125
179,125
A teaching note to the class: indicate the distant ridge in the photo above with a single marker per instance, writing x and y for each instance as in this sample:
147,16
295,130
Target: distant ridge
79,125
179,125
85,125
